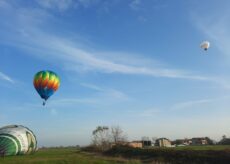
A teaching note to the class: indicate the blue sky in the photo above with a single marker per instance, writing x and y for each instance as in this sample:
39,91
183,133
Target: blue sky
132,63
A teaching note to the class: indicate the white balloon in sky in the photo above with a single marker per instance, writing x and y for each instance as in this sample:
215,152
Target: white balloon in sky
205,45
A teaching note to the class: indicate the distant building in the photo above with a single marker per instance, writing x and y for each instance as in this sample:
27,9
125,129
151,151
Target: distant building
225,141
140,144
182,142
163,142
136,144
146,143
193,141
199,141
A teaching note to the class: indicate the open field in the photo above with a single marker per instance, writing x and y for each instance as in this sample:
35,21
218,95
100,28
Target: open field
206,147
125,156
63,156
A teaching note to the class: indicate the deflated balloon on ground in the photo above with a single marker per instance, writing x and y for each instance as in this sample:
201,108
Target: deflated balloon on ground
17,140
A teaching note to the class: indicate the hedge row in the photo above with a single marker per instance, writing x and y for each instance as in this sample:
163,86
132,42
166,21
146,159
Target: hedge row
171,155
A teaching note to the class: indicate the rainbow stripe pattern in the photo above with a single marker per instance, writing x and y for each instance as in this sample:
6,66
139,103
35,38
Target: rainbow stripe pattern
46,83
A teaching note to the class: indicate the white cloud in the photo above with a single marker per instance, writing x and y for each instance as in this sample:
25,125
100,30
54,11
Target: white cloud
95,99
107,91
53,112
215,25
52,47
24,107
73,57
92,86
63,5
190,104
110,96
135,4
149,112
141,18
4,4
57,4
87,3
71,101
115,94
6,78
217,103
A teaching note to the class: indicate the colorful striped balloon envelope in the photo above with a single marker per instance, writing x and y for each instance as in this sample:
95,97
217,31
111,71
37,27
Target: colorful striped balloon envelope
46,83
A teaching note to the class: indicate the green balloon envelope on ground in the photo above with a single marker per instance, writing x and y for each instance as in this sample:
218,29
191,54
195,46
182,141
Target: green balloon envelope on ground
17,140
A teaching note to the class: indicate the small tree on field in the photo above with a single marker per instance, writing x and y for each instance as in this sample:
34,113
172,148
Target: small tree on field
117,135
101,137
104,137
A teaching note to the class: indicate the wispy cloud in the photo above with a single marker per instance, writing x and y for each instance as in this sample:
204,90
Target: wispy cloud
76,59
6,78
149,112
108,92
217,103
215,25
92,86
47,46
72,101
102,95
53,112
61,5
87,3
211,104
64,5
189,104
4,4
95,99
135,4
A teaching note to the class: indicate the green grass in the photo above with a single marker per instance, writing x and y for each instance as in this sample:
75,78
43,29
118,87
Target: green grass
72,155
202,147
205,147
64,156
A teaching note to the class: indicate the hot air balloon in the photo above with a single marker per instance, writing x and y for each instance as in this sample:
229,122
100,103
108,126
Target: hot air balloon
46,83
17,140
205,45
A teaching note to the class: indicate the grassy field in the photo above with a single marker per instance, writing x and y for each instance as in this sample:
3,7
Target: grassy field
209,147
72,155
206,147
63,156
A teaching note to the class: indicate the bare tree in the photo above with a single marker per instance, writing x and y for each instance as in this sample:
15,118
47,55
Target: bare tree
118,135
146,141
154,140
144,138
101,137
104,137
